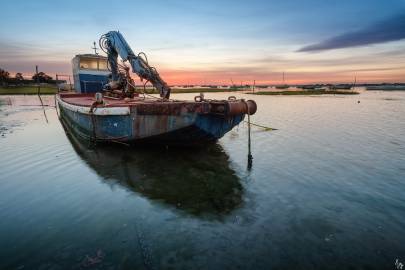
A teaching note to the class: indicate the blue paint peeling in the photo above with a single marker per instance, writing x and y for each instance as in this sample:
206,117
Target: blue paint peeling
203,128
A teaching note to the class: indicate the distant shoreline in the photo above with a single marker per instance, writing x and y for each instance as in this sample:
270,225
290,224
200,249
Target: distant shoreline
48,90
51,90
305,93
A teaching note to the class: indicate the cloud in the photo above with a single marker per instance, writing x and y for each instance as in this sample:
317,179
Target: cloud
22,57
391,29
16,50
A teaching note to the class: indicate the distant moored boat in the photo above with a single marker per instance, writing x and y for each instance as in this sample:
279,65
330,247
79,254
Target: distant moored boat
283,86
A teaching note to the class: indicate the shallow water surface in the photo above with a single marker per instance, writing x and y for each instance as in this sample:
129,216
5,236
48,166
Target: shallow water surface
326,191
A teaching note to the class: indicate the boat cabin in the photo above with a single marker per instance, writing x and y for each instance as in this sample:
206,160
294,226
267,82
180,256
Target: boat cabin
90,72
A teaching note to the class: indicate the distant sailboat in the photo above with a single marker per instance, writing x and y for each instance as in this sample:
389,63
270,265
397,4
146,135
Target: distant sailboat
344,86
283,86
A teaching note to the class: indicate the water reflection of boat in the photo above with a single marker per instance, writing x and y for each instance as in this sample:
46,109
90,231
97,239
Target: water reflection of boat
199,181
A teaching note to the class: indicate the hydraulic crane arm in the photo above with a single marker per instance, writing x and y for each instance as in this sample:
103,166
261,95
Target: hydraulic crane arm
115,45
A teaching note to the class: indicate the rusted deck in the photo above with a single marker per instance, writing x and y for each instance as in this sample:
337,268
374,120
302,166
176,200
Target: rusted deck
88,99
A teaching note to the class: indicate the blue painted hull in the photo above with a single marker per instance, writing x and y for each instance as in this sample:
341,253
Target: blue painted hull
180,129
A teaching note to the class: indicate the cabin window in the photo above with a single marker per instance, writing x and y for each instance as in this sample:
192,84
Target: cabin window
91,63
102,64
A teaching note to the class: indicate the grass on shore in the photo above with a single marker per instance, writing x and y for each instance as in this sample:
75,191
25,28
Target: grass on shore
27,90
303,93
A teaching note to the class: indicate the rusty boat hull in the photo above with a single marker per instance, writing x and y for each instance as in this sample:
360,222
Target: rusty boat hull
151,120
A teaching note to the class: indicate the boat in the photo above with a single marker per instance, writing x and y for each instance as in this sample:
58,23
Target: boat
108,108
149,120
342,86
282,86
311,87
386,87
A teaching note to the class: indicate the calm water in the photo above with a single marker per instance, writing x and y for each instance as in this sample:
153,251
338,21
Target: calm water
326,191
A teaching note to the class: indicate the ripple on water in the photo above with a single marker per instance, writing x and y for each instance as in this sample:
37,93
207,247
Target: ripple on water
325,189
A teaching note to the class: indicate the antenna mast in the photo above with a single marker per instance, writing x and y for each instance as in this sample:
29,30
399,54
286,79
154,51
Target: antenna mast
95,48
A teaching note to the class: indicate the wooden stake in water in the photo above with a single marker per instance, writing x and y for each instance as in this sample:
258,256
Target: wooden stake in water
38,85
250,157
39,93
254,85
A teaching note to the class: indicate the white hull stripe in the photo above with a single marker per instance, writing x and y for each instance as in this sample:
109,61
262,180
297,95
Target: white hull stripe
93,72
96,111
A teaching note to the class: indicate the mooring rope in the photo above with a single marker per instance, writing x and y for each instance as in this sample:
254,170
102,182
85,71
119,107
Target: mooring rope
93,121
250,156
265,128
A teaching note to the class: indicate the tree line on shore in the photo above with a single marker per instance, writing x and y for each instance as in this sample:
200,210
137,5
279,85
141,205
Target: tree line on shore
18,79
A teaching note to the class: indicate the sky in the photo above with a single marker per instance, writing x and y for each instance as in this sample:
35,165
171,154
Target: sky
214,42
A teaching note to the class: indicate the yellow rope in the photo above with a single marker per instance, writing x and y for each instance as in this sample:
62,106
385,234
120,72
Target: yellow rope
264,127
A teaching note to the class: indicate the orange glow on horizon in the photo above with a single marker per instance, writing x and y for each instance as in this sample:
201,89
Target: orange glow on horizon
174,77
224,77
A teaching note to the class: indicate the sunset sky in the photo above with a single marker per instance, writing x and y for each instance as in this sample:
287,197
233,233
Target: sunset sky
201,42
